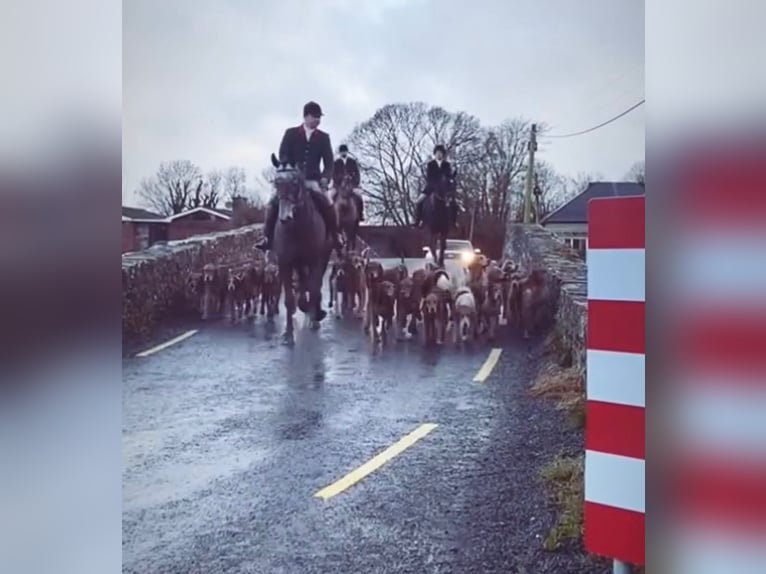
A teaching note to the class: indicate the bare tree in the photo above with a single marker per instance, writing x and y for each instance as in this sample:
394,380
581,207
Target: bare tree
581,181
495,173
637,173
235,183
393,146
263,187
172,189
554,189
208,192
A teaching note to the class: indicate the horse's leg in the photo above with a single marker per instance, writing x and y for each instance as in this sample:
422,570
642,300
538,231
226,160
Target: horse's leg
314,287
286,277
401,322
432,247
413,325
368,317
442,248
206,296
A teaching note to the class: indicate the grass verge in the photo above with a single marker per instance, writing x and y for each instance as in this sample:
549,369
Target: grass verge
564,476
566,387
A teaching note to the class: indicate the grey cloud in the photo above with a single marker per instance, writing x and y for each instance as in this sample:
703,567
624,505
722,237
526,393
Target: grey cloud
215,82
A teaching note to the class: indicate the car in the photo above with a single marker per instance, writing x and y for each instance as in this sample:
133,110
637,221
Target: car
460,249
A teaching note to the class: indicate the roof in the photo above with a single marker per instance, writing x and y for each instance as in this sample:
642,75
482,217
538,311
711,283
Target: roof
576,209
216,212
138,214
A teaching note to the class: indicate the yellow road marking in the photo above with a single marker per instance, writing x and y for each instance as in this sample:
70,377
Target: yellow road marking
167,344
489,364
375,463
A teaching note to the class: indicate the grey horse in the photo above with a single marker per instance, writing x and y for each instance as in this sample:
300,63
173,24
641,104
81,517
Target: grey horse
301,245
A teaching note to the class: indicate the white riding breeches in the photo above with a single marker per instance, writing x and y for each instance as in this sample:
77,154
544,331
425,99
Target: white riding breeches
313,185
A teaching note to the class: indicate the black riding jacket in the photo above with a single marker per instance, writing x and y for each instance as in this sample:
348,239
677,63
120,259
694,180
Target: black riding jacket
342,168
437,175
308,154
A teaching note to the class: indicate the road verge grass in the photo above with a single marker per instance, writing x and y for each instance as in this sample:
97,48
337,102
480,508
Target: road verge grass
564,477
564,384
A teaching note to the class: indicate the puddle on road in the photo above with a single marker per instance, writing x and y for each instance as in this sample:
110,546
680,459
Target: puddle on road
189,473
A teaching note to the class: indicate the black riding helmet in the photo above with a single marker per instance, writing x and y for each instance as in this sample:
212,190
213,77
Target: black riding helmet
312,109
342,148
440,148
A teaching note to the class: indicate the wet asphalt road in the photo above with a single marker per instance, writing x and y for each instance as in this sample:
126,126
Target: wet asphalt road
228,435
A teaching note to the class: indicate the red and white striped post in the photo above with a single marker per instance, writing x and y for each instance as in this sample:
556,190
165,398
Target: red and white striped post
614,433
718,377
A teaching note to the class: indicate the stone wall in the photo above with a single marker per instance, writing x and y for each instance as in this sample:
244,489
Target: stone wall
534,247
154,280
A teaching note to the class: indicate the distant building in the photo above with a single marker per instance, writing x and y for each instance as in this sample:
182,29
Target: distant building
197,221
570,221
142,228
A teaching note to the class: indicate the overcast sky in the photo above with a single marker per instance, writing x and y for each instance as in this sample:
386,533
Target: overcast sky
218,82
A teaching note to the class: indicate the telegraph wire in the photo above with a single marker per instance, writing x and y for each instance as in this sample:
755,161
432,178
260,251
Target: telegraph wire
601,125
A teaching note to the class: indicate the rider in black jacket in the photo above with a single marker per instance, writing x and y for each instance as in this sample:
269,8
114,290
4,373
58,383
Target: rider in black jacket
346,165
439,173
306,146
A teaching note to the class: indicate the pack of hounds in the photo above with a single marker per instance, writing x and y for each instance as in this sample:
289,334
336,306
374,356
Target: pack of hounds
465,306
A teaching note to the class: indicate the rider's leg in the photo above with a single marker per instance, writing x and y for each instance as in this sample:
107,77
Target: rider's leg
419,209
453,212
359,203
328,213
271,222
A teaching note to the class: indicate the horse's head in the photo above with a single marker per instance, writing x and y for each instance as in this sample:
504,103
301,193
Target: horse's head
346,186
289,183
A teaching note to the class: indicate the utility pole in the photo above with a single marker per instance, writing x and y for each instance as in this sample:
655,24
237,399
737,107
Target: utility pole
532,145
538,192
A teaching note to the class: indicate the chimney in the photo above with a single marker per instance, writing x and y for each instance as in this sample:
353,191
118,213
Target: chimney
239,203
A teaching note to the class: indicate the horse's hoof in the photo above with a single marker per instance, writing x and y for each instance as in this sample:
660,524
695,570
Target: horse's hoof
288,340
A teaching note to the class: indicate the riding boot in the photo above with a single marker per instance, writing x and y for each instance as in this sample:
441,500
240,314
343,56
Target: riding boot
330,218
268,228
360,207
419,213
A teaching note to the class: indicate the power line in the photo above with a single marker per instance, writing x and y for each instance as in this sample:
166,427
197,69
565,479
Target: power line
601,125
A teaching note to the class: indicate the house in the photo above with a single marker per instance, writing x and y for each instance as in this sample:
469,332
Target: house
570,221
141,228
199,220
